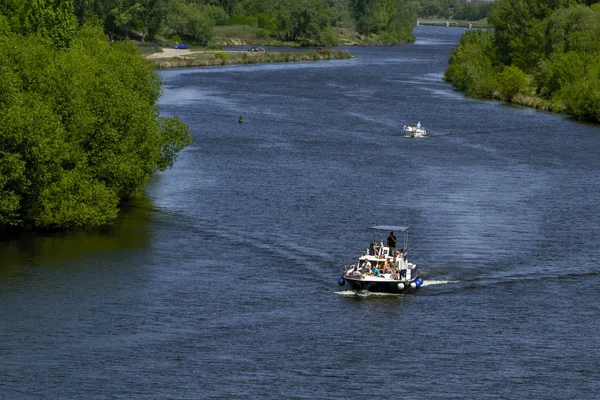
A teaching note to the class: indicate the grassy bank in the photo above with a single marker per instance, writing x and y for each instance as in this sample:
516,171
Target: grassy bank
206,58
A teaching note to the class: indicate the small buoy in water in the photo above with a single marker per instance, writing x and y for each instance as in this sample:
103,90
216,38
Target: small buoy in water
413,285
240,119
400,286
341,282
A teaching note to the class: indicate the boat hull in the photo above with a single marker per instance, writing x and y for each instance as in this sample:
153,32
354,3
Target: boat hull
379,285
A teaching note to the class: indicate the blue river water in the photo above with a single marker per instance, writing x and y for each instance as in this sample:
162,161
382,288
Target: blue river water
222,282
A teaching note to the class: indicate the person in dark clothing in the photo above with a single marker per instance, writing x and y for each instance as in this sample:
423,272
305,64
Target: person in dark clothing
391,242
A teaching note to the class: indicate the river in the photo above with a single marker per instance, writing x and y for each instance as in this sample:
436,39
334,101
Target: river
222,282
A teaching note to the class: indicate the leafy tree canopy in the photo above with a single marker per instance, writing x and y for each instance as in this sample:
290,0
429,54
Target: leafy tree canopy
394,17
51,19
457,9
548,48
305,21
79,129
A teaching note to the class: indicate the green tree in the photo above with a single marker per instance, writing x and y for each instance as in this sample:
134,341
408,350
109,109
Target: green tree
555,42
123,13
190,21
471,66
582,96
472,11
394,17
12,183
79,130
227,5
517,29
302,20
4,25
572,29
51,19
512,81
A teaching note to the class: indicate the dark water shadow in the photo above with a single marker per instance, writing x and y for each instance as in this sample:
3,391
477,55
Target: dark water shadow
131,230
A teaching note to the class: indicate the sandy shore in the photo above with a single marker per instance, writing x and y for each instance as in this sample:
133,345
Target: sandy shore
168,52
175,58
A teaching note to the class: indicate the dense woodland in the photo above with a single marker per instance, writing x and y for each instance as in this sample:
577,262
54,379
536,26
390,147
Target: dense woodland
80,130
542,53
453,9
308,22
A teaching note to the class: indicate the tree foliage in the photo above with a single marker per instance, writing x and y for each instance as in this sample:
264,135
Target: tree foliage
390,16
552,45
305,21
190,21
512,81
302,21
51,19
471,64
457,9
79,129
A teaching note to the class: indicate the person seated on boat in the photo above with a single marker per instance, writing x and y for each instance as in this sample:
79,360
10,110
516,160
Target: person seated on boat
375,248
366,267
376,270
351,271
389,268
386,268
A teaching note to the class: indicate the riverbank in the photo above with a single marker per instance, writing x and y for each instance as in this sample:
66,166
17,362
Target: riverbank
175,58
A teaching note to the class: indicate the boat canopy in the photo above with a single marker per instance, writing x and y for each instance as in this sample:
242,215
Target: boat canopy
389,228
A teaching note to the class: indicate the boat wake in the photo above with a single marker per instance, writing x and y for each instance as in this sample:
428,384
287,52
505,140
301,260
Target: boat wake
364,294
429,282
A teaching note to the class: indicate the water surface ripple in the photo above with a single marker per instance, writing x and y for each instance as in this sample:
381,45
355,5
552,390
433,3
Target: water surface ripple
221,284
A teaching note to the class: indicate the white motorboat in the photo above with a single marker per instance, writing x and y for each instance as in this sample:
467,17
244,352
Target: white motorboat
383,268
415,131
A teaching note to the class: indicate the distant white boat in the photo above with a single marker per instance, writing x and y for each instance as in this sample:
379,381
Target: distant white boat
415,131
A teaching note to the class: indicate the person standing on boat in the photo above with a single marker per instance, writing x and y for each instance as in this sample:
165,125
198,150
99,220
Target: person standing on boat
399,259
419,125
391,242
